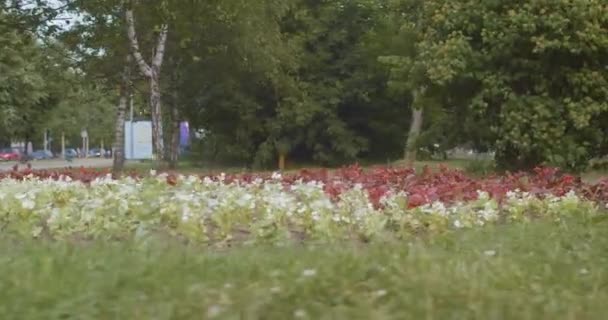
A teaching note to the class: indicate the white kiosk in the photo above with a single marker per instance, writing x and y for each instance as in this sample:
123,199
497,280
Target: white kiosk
138,140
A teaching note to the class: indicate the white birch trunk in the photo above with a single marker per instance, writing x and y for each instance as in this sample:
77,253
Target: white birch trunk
121,110
152,72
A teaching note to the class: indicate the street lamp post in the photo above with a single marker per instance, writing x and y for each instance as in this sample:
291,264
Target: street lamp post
85,142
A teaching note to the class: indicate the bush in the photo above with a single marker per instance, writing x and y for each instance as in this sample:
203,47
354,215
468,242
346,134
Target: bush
599,163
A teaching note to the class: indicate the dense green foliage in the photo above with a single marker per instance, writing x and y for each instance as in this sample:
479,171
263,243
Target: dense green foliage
538,73
311,86
327,82
41,88
535,271
23,90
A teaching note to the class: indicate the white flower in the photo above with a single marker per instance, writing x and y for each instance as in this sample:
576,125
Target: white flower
299,313
28,204
483,195
244,200
490,253
53,216
488,213
438,208
20,196
186,213
380,293
514,194
309,272
213,311
458,224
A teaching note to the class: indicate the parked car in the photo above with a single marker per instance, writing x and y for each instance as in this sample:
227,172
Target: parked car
95,153
71,153
9,154
41,155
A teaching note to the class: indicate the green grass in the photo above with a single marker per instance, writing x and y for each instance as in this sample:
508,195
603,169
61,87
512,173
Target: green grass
534,271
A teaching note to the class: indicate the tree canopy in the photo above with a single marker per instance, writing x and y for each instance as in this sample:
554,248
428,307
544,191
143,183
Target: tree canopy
325,82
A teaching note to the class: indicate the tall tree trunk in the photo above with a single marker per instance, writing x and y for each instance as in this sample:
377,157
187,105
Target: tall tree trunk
157,117
173,155
175,133
152,73
119,130
415,127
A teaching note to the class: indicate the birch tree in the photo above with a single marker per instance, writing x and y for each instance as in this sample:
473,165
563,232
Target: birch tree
119,131
151,71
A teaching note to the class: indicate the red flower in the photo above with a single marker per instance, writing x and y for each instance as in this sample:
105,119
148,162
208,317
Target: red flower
415,200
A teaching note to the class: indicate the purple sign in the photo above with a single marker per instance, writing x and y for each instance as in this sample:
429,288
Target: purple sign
184,134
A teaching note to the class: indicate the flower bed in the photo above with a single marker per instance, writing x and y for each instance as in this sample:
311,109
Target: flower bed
350,203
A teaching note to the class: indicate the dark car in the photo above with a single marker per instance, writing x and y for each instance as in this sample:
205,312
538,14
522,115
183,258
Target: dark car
41,155
9,155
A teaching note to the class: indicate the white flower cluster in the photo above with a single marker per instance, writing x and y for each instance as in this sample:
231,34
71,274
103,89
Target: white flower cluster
213,210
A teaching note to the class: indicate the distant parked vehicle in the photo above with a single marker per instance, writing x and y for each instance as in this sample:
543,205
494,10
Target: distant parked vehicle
95,153
41,155
9,154
71,153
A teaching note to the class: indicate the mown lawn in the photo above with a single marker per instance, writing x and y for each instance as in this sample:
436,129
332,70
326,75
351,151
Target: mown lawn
533,271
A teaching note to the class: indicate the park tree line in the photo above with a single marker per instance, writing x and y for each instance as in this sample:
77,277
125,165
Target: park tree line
316,81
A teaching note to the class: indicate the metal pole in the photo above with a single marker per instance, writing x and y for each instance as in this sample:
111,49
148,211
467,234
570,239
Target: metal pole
132,147
63,144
